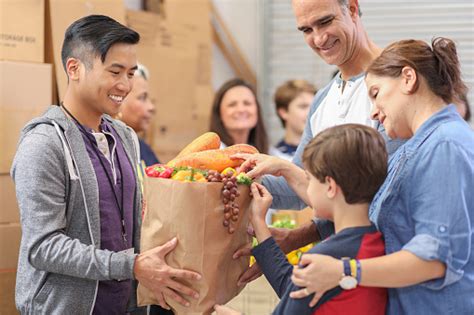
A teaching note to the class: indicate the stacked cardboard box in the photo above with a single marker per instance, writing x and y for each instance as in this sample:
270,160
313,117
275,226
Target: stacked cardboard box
22,30
7,293
25,92
155,6
176,47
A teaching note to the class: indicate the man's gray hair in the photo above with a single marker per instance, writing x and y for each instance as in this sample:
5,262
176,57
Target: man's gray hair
345,4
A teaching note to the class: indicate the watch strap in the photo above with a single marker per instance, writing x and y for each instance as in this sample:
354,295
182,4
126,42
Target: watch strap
347,266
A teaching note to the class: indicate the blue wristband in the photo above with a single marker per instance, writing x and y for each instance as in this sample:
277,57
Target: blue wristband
359,271
347,265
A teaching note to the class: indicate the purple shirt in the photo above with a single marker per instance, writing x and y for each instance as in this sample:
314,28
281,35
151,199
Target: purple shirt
112,296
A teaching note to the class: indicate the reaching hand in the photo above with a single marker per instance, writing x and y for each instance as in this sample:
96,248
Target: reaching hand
256,165
251,273
320,274
152,271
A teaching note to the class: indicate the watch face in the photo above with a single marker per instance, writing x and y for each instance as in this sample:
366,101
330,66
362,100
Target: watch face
348,283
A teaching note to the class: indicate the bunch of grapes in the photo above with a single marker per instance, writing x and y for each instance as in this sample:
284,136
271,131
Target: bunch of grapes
229,197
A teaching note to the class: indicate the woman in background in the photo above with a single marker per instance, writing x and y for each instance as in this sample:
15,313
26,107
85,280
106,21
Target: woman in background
137,111
236,116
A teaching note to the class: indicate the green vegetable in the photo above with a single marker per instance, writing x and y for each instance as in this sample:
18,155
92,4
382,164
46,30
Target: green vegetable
285,223
243,179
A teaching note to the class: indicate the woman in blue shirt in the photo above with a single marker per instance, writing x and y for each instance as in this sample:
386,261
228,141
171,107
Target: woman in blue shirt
425,208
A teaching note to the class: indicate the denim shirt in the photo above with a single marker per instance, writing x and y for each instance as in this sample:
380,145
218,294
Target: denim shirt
426,207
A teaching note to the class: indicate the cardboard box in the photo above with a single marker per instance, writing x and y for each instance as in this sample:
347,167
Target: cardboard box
166,156
49,52
10,236
25,92
9,211
155,6
22,30
7,293
179,77
61,13
195,18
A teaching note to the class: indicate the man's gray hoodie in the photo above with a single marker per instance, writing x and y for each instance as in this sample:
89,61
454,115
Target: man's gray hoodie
60,261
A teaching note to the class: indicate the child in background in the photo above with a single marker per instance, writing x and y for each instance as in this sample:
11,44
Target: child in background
345,166
292,101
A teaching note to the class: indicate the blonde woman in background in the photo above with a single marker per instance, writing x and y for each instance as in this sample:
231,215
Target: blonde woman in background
138,110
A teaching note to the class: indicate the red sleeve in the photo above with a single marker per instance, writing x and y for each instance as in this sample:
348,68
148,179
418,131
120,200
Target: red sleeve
361,300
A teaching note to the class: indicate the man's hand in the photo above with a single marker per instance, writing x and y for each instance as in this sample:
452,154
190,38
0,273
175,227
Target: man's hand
253,272
288,240
256,165
152,271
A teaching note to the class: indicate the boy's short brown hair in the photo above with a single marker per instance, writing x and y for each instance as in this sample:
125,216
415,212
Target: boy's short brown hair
353,155
290,90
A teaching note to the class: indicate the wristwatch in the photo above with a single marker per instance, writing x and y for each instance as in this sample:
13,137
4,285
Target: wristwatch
347,282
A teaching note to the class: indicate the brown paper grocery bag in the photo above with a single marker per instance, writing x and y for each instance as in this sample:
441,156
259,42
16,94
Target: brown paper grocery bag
194,212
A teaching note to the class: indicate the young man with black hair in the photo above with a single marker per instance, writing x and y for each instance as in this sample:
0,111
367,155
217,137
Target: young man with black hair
78,191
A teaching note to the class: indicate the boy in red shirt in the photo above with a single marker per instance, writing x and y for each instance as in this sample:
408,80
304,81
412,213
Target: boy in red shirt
345,166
